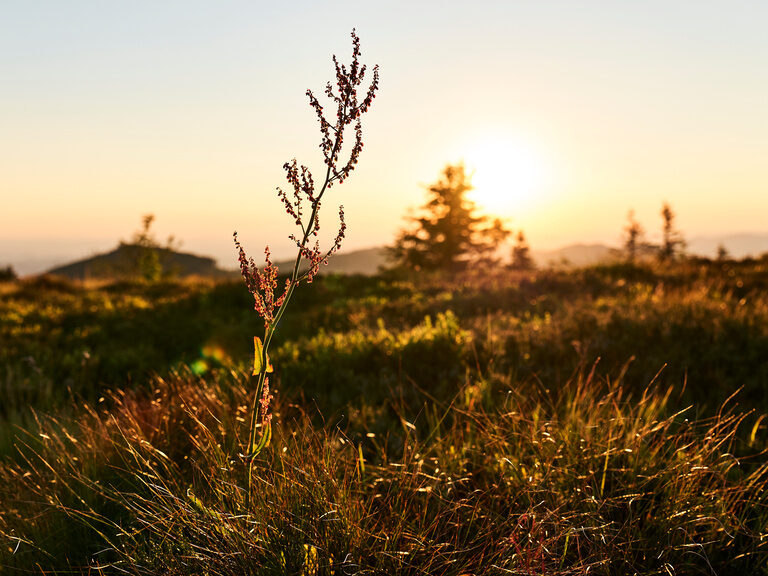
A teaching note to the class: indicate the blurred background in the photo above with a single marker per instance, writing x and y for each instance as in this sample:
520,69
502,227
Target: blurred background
566,115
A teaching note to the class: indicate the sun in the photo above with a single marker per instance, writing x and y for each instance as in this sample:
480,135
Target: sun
508,175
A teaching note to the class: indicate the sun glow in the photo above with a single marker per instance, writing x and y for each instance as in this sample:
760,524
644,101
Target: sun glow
508,175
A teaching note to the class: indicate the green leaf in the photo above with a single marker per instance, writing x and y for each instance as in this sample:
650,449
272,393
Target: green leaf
258,355
221,525
266,436
264,439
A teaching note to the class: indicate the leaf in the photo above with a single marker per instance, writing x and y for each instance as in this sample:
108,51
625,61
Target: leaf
258,355
264,439
360,462
266,436
221,526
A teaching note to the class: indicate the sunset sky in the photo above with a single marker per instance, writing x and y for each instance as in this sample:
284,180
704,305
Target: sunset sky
570,114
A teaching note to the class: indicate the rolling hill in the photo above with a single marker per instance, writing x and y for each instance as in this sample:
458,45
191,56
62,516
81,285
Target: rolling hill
123,261
368,261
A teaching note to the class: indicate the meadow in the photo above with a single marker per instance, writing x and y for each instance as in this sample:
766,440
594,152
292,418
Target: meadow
604,420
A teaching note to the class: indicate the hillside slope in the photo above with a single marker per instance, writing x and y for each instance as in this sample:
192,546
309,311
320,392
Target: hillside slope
123,261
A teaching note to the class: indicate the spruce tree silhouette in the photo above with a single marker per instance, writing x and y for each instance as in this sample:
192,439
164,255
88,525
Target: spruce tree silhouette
449,234
672,243
521,254
634,243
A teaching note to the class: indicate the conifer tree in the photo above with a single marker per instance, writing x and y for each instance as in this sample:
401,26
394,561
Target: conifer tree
672,243
521,253
449,234
633,241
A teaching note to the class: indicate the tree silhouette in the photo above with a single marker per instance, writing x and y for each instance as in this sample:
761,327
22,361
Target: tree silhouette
448,234
144,256
672,242
521,253
722,253
633,240
8,274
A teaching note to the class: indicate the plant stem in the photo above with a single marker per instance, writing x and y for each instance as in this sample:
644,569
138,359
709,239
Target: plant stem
269,331
295,279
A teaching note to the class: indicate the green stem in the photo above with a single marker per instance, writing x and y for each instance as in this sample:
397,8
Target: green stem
271,328
254,420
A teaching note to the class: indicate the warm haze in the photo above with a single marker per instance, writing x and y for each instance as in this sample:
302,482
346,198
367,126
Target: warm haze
569,114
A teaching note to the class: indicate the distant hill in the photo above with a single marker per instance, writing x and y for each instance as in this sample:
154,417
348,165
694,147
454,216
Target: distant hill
366,261
122,262
738,245
573,255
369,260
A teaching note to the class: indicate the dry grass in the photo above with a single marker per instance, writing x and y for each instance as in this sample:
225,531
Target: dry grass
443,427
498,481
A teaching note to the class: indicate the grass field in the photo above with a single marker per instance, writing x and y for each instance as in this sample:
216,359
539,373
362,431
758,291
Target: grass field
605,420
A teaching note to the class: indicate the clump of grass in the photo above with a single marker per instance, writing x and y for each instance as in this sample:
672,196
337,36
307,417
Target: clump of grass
500,480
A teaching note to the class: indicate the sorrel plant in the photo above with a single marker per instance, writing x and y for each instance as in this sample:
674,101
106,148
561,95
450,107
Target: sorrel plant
303,206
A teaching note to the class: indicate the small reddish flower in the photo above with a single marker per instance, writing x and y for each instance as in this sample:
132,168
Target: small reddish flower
306,196
266,398
261,284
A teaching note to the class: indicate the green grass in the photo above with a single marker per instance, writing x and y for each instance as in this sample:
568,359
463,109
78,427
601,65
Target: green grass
422,426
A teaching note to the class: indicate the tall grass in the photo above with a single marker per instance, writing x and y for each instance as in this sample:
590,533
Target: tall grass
441,426
497,480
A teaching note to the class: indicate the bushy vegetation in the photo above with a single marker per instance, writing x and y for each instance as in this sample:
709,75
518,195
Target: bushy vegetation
440,425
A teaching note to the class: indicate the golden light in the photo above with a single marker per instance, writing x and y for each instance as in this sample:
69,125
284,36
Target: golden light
508,175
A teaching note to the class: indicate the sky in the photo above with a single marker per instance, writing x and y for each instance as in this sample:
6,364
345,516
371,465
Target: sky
568,113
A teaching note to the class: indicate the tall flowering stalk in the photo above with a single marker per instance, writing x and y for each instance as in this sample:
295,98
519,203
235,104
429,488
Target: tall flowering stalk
302,204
